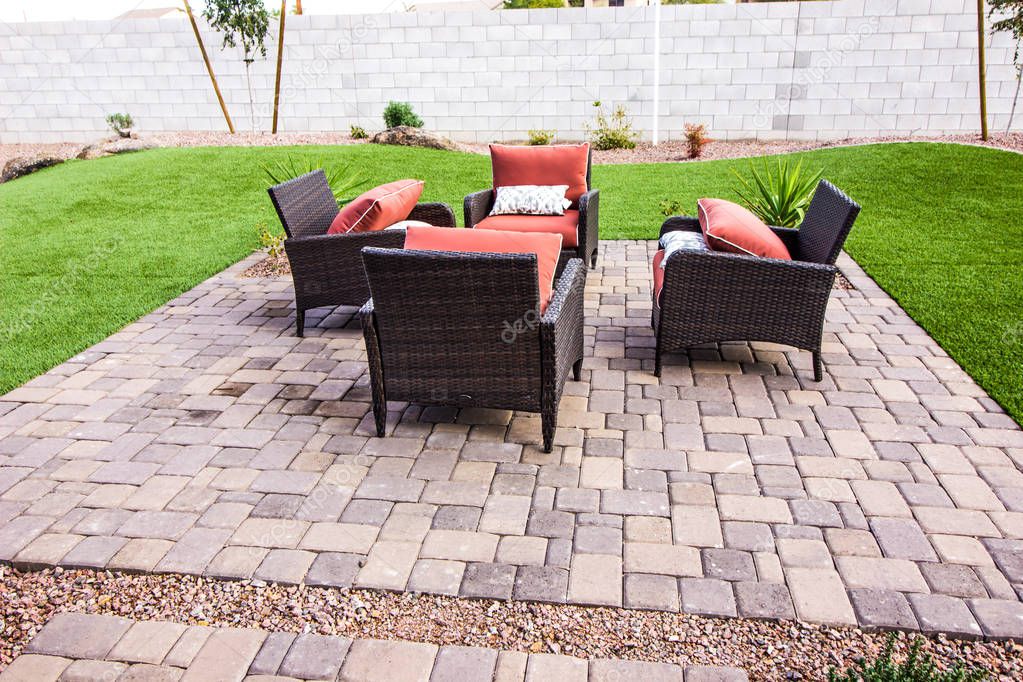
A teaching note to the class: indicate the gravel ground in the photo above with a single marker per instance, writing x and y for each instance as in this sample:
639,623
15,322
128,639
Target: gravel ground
768,650
673,150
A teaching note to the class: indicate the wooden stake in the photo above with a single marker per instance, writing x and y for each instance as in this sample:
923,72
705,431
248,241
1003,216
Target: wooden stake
298,6
209,67
280,62
982,70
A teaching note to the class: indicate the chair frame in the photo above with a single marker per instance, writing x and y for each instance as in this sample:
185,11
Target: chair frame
478,205
462,330
711,296
327,268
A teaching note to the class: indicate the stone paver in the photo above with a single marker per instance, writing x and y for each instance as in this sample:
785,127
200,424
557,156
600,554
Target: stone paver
207,439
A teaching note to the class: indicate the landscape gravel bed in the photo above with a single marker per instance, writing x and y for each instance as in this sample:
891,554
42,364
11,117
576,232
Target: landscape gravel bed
668,151
767,650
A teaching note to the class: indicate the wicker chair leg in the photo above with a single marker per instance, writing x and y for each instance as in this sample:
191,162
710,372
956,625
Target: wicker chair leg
380,411
577,369
593,258
818,366
300,322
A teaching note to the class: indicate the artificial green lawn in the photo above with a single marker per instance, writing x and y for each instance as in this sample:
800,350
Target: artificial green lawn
88,246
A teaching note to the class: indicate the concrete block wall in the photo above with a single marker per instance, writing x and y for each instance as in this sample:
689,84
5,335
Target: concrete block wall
822,70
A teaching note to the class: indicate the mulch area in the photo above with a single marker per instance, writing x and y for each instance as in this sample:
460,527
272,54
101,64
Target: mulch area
767,650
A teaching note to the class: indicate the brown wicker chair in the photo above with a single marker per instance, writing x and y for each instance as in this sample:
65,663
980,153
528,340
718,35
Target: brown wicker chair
477,206
462,330
710,296
327,269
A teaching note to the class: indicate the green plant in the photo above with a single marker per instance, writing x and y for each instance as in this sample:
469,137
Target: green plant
272,243
612,131
696,138
670,207
915,668
532,4
343,179
541,137
244,22
121,124
782,197
358,132
401,114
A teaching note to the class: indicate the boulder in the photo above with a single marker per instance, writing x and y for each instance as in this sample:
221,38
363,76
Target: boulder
407,136
111,146
23,165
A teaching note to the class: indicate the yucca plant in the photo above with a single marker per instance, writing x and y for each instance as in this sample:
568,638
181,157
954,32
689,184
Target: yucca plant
916,668
343,180
779,197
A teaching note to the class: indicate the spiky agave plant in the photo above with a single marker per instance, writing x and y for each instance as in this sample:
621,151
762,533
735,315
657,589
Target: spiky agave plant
781,196
342,179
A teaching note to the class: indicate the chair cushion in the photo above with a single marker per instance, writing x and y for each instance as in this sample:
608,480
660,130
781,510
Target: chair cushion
730,227
563,164
546,247
378,208
565,225
658,274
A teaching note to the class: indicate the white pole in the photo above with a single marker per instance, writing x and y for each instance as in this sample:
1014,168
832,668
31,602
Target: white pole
657,68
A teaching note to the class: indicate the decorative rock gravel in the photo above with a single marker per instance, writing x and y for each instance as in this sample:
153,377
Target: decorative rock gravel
767,650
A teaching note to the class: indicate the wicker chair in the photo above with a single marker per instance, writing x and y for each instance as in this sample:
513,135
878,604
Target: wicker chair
710,296
327,268
462,330
477,206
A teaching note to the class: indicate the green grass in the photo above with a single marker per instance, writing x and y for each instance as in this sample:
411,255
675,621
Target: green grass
89,246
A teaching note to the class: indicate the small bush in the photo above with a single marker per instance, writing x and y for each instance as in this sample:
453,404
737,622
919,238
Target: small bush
541,137
121,124
696,138
915,668
401,114
612,131
358,132
670,207
272,243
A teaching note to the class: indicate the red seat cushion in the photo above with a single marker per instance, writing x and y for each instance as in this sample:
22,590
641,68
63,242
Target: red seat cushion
730,227
547,248
378,208
566,225
562,164
658,274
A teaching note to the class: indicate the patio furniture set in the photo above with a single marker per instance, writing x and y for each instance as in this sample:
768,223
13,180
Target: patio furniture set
492,316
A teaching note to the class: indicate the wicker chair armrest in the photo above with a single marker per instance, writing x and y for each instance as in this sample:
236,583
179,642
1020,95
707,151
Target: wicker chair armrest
589,219
766,279
343,243
477,206
438,214
680,222
790,237
561,326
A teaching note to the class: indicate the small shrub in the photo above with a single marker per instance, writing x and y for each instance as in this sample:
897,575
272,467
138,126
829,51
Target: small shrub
779,198
343,180
272,243
915,668
612,131
670,207
401,114
358,132
541,137
121,124
696,138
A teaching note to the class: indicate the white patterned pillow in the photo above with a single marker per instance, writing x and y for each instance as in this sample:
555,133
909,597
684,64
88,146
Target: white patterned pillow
531,200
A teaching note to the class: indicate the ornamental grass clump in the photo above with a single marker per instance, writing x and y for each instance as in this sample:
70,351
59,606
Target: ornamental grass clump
780,196
916,668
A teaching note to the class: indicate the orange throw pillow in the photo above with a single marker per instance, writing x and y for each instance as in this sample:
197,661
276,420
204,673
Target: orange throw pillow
378,208
547,248
730,227
560,164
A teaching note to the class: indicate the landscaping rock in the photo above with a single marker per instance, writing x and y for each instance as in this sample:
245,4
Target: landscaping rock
23,165
113,145
406,136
